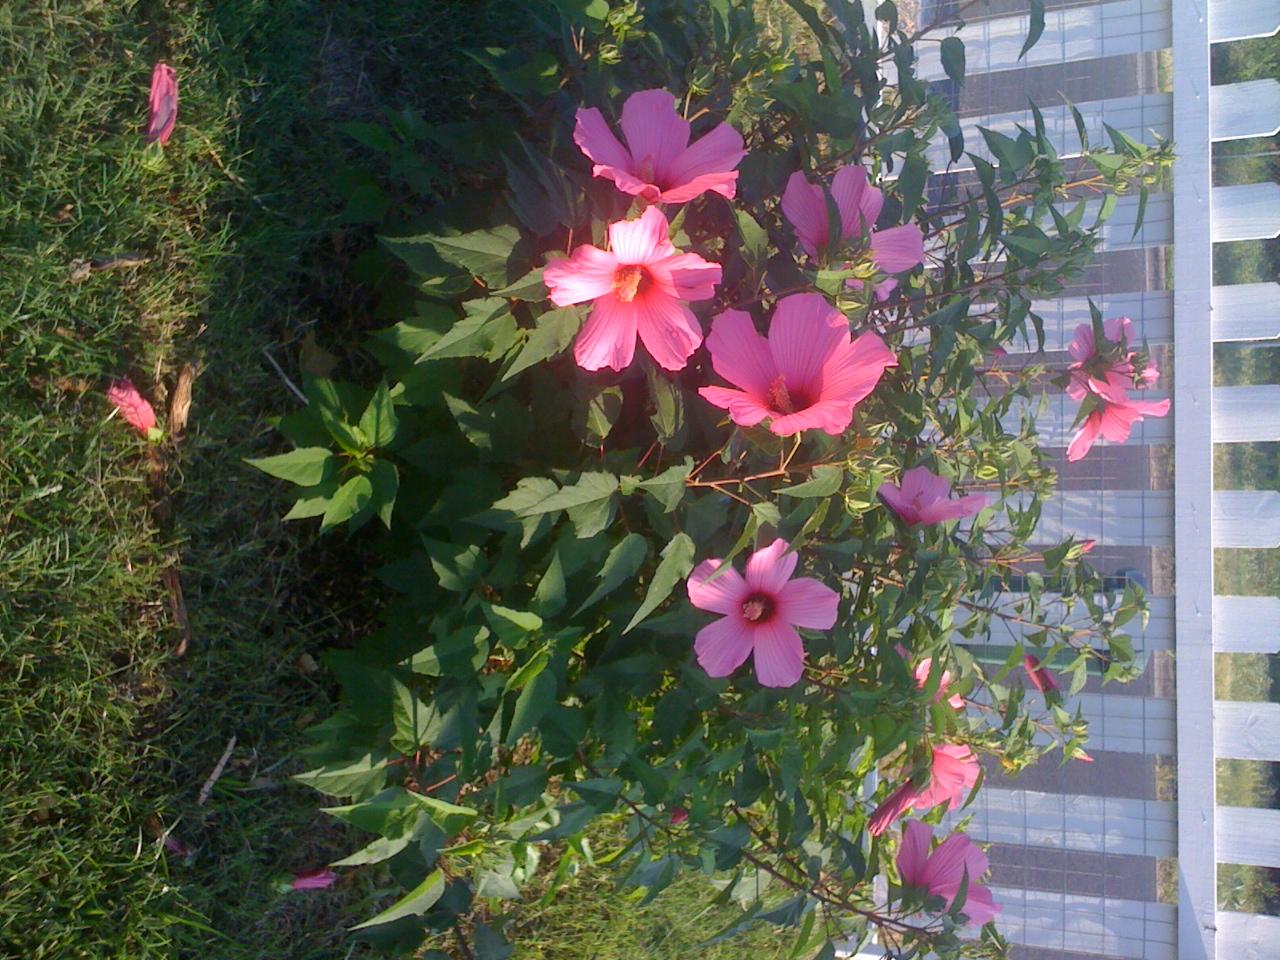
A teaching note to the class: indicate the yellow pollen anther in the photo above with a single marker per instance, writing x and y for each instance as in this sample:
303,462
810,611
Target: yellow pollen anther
626,282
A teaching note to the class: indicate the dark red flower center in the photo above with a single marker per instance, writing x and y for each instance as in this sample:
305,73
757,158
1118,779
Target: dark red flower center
630,281
784,399
758,608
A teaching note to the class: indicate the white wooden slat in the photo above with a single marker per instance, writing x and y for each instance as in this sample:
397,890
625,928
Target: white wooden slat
1193,214
1248,835
1246,731
1247,212
1106,926
1243,936
1249,109
1241,19
1246,624
1246,311
1071,34
1246,414
1246,518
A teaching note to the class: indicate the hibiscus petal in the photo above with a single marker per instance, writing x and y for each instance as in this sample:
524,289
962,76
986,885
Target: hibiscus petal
771,567
163,104
849,189
1085,437
725,184
686,276
924,486
806,602
668,329
830,416
642,240
894,806
941,510
725,594
586,275
979,905
947,866
892,495
1151,408
608,339
898,248
1082,347
805,331
1117,421
913,853
853,371
723,646
740,354
805,208
654,130
744,409
594,138
713,157
779,655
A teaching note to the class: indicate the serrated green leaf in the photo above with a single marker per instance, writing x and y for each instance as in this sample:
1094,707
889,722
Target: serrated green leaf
675,565
668,487
351,500
621,564
361,777
418,901
385,479
536,698
312,501
306,466
482,252
551,337
378,422
463,651
826,480
530,287
487,330
416,723
449,817
589,503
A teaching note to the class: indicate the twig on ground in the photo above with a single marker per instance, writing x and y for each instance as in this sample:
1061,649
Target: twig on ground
207,790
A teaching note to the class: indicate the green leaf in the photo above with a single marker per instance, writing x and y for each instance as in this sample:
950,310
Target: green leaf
583,9
487,330
534,701
676,564
1036,27
489,943
513,627
527,671
449,817
306,466
953,59
668,404
463,651
668,487
457,566
589,503
755,240
416,724
361,777
418,901
621,564
484,253
312,501
352,499
551,337
530,287
378,422
385,479
827,479
594,420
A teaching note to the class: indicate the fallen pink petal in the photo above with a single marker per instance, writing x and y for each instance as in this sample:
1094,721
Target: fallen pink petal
314,880
639,287
133,406
658,163
924,498
809,374
164,104
759,615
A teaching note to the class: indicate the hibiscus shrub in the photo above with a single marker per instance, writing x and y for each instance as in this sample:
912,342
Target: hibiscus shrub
703,482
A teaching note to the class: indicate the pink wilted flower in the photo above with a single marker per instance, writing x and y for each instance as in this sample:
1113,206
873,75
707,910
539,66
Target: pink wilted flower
761,612
314,880
924,498
804,204
941,873
164,104
953,771
1042,678
658,163
808,375
638,286
923,669
134,408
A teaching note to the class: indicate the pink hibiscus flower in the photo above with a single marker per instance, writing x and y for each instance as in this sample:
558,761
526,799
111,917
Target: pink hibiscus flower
761,612
942,872
163,105
804,204
638,286
808,375
1042,678
1112,422
923,669
952,773
924,498
133,407
658,163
